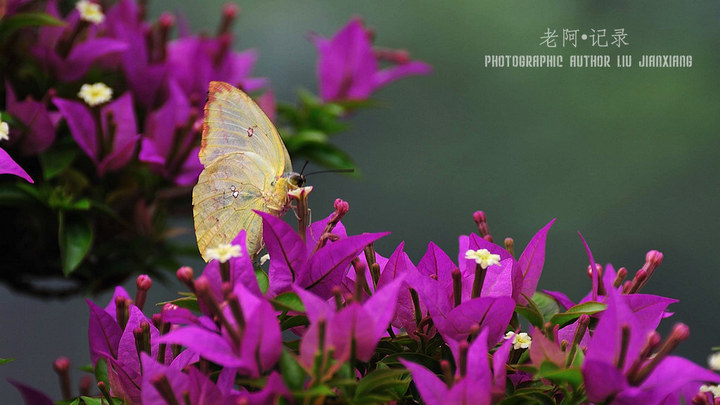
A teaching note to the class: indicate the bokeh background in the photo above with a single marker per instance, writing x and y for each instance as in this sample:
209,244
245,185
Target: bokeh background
630,157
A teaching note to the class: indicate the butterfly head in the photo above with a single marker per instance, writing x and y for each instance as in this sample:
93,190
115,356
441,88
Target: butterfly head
296,179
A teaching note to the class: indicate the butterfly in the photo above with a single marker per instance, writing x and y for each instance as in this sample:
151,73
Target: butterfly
247,167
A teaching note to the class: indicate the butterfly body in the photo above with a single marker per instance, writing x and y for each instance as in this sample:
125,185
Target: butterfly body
247,168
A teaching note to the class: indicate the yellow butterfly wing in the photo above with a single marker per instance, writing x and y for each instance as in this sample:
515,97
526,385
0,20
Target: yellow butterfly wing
245,160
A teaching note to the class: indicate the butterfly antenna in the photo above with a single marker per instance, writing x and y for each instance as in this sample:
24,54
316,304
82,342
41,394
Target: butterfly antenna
332,171
304,166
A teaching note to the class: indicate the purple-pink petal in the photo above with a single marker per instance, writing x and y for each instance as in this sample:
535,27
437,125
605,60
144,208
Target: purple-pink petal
30,395
85,53
207,344
39,133
389,75
288,255
531,262
9,166
103,334
432,390
82,125
328,266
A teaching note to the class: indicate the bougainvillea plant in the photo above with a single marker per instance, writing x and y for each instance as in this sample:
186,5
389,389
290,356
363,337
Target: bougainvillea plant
325,319
101,117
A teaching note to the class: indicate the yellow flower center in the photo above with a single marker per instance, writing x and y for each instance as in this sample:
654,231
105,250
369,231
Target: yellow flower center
483,257
90,12
95,94
224,252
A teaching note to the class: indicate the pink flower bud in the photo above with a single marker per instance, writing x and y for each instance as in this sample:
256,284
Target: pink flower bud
143,282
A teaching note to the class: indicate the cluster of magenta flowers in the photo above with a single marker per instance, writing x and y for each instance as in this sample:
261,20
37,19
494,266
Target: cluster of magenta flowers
101,108
326,319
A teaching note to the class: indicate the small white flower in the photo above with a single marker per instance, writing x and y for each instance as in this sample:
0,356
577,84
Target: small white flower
264,258
224,252
300,191
95,94
483,257
4,131
714,389
714,361
520,341
90,12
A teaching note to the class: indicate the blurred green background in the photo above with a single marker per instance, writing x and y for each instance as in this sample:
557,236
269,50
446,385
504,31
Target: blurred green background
630,157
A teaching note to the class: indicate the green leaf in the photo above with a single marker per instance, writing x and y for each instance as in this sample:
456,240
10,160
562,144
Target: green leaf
546,304
532,314
262,279
576,311
305,138
5,361
292,373
10,25
55,160
92,401
382,385
75,235
316,391
288,301
528,398
573,376
190,302
101,372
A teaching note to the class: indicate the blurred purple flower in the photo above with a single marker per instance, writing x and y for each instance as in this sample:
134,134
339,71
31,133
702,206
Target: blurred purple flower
144,61
60,51
348,67
110,143
170,143
38,132
194,61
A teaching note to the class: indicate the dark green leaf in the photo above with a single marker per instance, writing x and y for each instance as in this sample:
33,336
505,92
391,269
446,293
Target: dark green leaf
10,195
573,376
326,155
293,321
576,311
317,391
10,25
305,138
420,358
528,398
55,160
288,301
5,361
382,385
531,314
75,235
262,279
293,374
